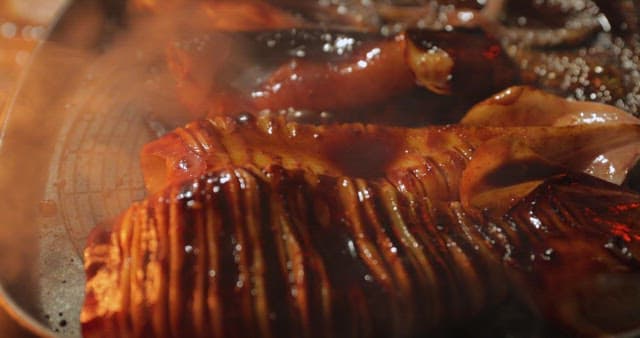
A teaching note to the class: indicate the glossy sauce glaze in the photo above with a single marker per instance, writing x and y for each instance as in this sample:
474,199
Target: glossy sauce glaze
278,252
368,151
257,226
372,75
358,150
474,55
369,77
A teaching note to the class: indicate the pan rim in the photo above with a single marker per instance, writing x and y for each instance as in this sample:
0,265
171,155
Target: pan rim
15,311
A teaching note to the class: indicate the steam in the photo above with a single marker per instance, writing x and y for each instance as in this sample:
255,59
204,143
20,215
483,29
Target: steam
70,151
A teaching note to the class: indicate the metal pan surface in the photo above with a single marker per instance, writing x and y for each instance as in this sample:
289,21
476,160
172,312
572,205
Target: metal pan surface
69,151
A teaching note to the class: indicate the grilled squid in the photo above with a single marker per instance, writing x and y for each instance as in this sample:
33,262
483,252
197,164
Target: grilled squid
363,150
289,56
277,252
262,227
453,62
369,78
256,226
251,63
372,75
289,69
526,106
364,74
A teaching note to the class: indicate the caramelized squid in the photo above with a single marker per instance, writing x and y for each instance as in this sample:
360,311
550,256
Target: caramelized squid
449,62
568,49
257,226
364,74
525,106
296,69
371,75
282,61
285,230
366,150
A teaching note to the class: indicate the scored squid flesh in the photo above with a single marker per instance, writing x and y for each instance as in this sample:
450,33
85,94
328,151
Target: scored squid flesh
281,229
373,150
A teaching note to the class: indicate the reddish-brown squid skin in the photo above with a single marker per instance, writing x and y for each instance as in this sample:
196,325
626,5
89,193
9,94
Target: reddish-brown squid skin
604,76
357,71
475,63
375,73
358,150
387,68
286,253
364,69
249,216
440,153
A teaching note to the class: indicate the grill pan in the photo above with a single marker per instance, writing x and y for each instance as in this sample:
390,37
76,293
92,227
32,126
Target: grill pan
69,152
